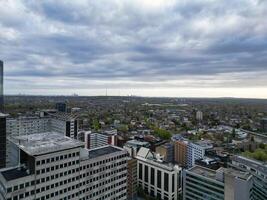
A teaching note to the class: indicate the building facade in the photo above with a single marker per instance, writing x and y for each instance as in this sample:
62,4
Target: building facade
223,184
180,153
1,86
132,179
167,151
3,141
52,166
94,140
157,179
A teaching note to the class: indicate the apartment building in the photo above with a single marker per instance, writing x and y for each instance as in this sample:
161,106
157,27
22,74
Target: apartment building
158,179
223,184
53,166
132,179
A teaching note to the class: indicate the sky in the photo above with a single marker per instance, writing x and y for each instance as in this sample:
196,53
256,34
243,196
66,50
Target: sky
175,48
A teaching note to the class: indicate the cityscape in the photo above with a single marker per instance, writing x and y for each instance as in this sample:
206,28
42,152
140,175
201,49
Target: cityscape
133,100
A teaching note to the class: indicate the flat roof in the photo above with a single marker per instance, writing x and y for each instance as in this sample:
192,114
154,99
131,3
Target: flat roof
206,172
43,143
94,153
15,173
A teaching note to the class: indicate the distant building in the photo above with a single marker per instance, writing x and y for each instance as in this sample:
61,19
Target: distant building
131,179
167,151
53,166
3,142
264,125
157,178
199,115
61,107
1,86
223,184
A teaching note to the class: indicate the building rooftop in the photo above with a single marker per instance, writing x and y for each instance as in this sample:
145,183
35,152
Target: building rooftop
43,143
14,173
206,172
94,153
137,143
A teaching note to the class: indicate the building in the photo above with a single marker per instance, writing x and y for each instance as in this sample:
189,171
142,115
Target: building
53,166
58,122
196,151
132,179
133,146
158,179
258,170
223,184
94,140
199,115
180,152
167,151
61,107
264,125
3,140
1,86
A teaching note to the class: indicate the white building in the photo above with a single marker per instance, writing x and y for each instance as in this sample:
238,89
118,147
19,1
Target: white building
196,151
53,166
199,115
157,178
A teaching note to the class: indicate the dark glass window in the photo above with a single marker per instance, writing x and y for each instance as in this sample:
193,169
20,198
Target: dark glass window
159,179
152,178
140,171
146,173
166,181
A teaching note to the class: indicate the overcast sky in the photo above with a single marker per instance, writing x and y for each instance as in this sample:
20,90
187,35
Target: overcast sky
178,48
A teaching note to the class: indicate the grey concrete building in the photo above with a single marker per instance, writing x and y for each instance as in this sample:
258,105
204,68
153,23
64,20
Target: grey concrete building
53,166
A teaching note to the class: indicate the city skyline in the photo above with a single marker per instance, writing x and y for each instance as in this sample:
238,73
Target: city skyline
145,48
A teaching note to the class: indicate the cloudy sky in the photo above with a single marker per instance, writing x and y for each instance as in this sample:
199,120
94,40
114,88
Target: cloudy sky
178,48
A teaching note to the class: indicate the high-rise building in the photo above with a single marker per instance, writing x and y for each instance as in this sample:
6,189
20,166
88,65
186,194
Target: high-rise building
1,86
223,184
199,115
264,125
180,153
53,166
158,179
132,179
61,107
258,170
2,140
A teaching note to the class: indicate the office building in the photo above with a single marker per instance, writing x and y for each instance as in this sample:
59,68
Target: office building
3,140
132,179
167,151
53,166
1,86
94,140
223,184
158,179
264,125
61,107
258,170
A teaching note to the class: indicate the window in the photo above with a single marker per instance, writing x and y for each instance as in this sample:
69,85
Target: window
140,171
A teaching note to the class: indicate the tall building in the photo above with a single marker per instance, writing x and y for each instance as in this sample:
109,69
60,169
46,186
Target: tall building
264,125
1,86
199,115
2,140
158,179
258,170
132,179
223,184
180,153
61,107
53,166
